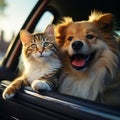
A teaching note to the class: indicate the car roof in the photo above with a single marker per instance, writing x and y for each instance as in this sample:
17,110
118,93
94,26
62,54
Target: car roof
81,9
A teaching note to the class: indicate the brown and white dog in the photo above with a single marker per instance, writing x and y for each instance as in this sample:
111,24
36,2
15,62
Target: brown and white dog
89,52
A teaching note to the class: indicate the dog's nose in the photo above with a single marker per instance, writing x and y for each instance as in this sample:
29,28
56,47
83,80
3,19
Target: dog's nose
77,45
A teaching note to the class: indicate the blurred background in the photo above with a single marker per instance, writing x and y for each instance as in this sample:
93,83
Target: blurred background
13,13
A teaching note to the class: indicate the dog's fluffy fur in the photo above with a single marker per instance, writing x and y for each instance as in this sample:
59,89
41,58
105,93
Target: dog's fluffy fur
89,52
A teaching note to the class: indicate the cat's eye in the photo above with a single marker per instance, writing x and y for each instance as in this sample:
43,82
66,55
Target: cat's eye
45,44
70,38
90,36
34,46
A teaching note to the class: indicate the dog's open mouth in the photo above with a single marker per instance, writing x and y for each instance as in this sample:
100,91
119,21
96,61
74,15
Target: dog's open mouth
80,61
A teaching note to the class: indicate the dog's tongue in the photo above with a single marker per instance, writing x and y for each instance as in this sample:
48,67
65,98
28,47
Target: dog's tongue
78,62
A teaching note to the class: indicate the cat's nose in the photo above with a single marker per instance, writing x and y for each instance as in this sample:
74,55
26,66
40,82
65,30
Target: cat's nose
40,49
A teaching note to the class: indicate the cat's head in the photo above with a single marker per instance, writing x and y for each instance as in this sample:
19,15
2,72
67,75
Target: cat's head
39,45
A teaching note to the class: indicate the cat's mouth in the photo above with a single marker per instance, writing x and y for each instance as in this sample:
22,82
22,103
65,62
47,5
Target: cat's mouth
45,54
81,61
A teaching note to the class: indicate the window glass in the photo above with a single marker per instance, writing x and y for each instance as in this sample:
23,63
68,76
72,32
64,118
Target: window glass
47,18
13,14
118,32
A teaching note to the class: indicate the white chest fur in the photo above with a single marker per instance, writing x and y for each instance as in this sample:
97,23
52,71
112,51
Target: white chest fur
84,88
36,69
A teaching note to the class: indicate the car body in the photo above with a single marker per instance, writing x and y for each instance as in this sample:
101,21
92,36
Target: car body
51,105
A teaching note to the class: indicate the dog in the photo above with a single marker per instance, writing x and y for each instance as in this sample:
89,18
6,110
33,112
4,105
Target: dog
90,54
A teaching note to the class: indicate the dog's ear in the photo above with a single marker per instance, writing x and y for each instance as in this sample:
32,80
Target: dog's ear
104,21
60,29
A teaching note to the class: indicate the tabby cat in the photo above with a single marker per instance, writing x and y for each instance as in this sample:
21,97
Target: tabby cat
40,60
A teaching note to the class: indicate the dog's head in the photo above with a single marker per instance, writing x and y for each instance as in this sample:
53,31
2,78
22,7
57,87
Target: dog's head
85,42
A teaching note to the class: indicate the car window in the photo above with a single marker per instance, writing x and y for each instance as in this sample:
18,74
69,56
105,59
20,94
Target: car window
47,18
13,13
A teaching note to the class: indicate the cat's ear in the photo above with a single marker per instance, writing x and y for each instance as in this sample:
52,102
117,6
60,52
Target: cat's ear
25,37
49,31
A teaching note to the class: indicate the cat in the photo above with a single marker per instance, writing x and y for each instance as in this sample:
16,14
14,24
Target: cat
40,61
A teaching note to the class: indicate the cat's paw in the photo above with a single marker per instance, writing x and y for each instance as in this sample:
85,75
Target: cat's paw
8,93
40,85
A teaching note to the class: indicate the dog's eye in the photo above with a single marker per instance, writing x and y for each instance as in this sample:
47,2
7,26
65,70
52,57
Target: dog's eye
70,38
89,36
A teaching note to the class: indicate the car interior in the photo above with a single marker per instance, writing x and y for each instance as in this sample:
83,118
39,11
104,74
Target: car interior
29,104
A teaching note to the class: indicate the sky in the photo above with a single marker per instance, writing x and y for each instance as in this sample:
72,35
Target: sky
14,16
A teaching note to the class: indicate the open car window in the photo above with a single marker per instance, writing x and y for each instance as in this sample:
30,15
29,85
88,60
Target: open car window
46,19
12,16
28,103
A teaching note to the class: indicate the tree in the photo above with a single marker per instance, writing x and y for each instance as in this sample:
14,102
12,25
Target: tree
3,5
